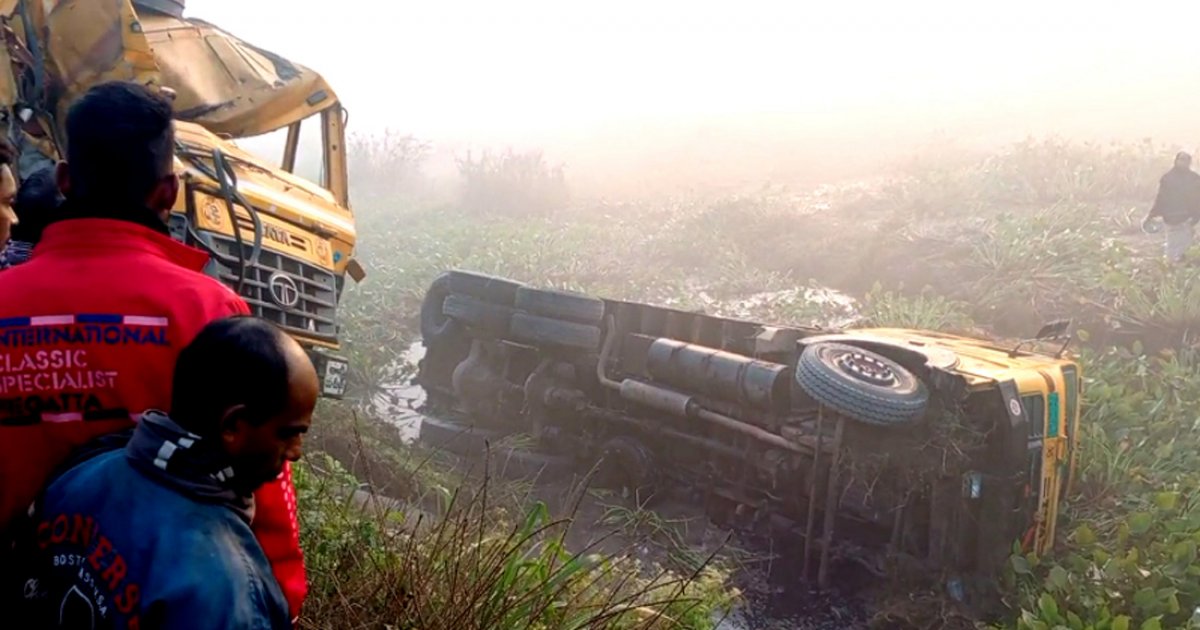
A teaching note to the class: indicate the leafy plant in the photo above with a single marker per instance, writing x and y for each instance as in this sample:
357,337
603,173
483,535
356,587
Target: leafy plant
1157,297
924,311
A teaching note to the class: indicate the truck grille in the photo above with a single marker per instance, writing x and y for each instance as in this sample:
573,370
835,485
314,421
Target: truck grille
315,311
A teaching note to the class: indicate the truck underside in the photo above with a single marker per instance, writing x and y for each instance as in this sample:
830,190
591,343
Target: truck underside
848,447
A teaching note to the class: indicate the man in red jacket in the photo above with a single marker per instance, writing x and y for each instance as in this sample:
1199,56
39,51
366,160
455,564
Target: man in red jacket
91,326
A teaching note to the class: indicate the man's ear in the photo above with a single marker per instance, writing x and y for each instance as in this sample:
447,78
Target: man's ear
162,200
62,175
233,425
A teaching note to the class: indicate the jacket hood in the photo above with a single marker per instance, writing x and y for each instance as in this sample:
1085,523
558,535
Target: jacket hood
180,459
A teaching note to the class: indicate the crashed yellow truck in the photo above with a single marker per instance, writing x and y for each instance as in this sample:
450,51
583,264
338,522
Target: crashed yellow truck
294,239
871,446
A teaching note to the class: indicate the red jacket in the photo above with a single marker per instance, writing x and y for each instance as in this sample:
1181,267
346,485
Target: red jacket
90,329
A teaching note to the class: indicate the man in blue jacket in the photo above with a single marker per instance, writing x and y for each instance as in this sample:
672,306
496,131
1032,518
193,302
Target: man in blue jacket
157,534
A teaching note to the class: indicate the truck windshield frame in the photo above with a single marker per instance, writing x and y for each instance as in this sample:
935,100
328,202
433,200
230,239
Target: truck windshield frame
333,175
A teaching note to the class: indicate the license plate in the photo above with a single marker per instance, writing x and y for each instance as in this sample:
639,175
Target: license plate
334,383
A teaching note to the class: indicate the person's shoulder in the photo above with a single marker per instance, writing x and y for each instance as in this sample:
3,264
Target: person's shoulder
32,270
88,481
206,284
102,465
195,288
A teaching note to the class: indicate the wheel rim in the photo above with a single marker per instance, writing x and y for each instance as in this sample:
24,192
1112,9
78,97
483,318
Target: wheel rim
866,369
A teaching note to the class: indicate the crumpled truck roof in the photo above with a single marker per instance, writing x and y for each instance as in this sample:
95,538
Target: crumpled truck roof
221,82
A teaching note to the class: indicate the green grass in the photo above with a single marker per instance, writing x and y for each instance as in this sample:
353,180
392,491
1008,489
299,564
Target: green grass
461,549
476,564
925,311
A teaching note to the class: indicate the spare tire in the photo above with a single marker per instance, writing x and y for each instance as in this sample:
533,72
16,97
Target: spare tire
542,331
492,289
572,307
861,384
477,314
434,323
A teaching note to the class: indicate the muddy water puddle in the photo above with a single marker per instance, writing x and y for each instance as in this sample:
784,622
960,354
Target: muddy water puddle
808,305
399,400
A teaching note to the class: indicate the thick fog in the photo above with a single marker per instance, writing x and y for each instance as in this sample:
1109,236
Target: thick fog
677,93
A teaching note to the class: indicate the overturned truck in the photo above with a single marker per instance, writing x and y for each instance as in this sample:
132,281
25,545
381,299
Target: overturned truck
886,447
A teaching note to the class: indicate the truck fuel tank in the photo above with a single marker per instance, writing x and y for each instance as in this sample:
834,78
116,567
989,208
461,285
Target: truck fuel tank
719,374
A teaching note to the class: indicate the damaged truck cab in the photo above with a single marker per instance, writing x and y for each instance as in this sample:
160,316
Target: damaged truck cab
284,243
887,448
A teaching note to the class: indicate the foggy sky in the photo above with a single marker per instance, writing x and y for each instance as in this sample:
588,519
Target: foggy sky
588,79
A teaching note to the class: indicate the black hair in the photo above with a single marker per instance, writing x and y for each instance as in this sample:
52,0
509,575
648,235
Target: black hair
233,361
38,199
120,144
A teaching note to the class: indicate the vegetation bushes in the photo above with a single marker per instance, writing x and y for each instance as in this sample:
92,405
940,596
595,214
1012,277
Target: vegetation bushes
1045,261
387,169
925,311
476,564
1129,554
1156,300
1055,170
511,184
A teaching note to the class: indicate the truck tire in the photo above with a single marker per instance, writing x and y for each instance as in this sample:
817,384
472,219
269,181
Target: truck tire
572,307
481,286
457,438
477,314
861,384
541,331
434,322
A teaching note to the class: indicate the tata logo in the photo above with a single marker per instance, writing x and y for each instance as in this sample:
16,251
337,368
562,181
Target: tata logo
284,291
